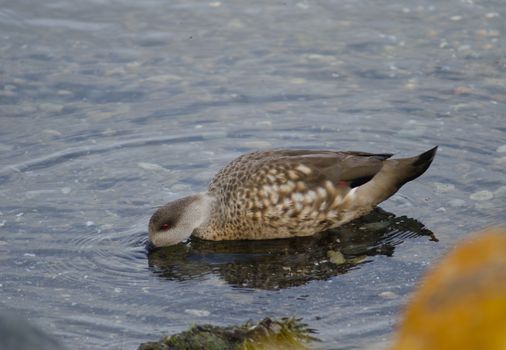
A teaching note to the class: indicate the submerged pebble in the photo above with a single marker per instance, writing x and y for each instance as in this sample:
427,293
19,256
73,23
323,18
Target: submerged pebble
491,15
64,93
388,295
443,188
298,81
457,203
52,132
198,313
151,166
501,149
462,90
375,226
482,196
267,123
51,107
336,257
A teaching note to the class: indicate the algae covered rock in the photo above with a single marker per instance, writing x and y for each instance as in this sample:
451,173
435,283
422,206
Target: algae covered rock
287,333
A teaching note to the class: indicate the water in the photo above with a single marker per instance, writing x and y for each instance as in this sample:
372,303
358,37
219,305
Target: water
111,108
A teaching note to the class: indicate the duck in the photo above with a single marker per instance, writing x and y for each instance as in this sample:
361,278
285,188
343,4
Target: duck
285,193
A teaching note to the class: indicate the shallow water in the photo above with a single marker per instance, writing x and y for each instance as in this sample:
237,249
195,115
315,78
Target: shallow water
111,108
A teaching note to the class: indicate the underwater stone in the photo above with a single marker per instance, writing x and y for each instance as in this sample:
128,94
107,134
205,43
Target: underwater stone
482,196
336,257
151,166
198,313
388,295
501,149
457,203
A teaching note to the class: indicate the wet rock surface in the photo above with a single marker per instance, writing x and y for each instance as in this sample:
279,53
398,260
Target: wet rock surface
288,333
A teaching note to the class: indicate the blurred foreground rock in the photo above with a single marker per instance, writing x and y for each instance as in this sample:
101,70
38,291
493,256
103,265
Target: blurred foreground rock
461,303
16,333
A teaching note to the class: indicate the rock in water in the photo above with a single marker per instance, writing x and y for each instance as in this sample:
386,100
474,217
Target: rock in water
461,303
287,333
18,334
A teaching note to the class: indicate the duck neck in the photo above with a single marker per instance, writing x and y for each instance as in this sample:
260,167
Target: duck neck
201,208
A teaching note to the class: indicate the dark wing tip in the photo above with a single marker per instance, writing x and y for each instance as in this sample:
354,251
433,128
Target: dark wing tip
426,157
420,164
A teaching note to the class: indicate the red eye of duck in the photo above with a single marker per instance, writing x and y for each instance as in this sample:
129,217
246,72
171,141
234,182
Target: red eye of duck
164,227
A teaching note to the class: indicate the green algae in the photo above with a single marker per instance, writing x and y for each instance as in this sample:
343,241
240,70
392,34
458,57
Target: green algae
287,333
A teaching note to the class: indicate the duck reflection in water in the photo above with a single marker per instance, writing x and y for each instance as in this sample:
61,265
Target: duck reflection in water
283,263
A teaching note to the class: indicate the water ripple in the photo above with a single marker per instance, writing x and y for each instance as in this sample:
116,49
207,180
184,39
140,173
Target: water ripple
76,152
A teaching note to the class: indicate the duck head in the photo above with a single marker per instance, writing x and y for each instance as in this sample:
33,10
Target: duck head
175,221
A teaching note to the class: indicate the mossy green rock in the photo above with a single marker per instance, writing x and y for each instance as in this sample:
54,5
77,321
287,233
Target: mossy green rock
287,333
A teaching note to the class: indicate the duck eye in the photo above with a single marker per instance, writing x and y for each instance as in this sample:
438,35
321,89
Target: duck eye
164,227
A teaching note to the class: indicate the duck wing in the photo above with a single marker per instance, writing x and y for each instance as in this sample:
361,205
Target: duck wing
316,167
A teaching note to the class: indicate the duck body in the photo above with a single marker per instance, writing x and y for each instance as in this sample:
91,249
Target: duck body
286,193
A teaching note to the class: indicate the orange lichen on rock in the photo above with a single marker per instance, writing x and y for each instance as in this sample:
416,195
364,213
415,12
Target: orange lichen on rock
461,303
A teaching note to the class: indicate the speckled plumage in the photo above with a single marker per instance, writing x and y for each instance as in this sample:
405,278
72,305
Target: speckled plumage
288,193
285,193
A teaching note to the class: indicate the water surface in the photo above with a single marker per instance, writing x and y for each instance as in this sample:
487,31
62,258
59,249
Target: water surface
111,108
